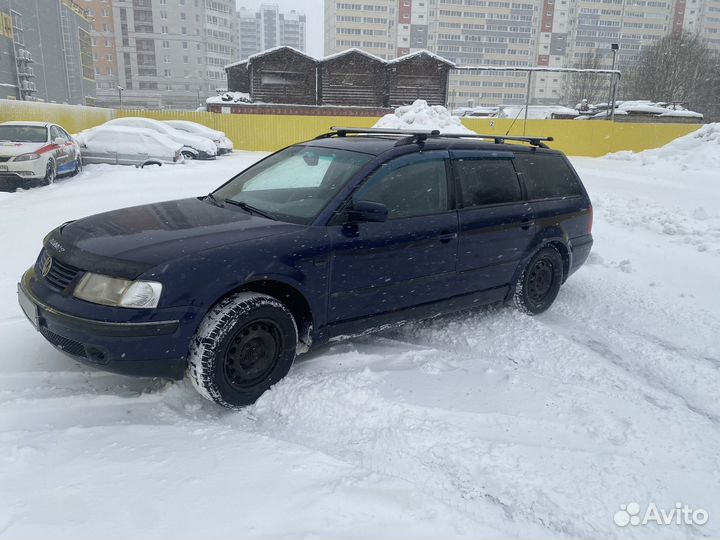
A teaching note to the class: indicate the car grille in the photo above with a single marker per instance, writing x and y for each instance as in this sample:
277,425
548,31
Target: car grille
3,159
65,344
58,275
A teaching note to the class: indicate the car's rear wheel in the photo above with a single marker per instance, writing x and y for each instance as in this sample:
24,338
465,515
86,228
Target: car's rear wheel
540,281
244,345
49,174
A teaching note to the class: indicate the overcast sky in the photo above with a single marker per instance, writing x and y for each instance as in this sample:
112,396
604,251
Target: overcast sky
314,11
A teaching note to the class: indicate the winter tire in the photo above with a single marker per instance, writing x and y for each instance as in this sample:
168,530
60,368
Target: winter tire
540,281
188,155
49,174
244,345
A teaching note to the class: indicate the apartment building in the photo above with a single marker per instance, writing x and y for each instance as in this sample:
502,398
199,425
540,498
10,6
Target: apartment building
45,52
161,53
268,27
514,33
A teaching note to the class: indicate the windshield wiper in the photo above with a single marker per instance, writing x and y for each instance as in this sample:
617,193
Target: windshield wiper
251,209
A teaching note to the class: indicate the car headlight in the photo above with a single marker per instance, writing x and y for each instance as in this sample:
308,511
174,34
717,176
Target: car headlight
27,157
117,292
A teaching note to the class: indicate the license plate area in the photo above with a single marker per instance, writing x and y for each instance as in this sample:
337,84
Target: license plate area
28,307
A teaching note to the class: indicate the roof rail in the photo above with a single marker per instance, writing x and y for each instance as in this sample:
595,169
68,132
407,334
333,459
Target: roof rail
500,139
411,134
418,135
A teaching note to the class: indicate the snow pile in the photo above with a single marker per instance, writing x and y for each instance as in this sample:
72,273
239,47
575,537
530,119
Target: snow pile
697,150
420,115
537,112
640,107
230,97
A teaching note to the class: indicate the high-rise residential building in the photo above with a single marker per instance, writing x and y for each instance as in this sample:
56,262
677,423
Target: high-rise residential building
46,52
268,27
161,53
514,33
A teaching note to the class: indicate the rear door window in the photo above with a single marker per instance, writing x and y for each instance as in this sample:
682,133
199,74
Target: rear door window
547,176
485,182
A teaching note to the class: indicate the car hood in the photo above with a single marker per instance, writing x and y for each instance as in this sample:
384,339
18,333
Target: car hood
130,241
16,148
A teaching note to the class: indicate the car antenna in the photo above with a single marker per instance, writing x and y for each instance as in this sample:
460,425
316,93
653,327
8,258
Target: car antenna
513,122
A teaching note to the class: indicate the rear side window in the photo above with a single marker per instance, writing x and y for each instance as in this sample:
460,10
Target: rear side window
547,176
487,181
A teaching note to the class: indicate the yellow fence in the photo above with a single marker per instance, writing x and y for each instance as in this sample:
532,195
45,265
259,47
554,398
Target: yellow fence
73,118
271,132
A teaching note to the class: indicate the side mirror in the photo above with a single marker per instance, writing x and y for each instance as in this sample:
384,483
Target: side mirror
59,141
368,211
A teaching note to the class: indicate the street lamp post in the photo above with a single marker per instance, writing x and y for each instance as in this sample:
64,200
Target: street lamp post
611,97
120,91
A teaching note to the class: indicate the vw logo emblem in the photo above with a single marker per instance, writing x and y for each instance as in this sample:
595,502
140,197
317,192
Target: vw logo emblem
46,266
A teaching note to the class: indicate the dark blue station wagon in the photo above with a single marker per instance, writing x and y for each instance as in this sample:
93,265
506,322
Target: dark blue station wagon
334,237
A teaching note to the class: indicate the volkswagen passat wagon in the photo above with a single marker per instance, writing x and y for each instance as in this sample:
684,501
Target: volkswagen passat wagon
333,237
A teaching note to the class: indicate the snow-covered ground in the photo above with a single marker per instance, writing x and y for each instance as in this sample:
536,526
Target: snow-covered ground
487,424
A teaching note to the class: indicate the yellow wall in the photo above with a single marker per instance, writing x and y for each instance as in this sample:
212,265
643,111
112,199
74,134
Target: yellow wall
589,137
73,118
260,131
271,132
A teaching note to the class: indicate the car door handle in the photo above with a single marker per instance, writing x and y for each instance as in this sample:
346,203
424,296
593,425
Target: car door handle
525,223
445,237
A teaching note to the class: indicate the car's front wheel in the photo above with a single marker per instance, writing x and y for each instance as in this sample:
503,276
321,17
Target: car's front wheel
244,345
540,281
49,174
188,155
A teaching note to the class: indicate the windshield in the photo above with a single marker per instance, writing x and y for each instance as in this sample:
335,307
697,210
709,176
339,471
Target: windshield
295,184
31,134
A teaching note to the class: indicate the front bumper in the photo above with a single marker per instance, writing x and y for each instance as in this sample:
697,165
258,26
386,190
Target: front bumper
14,175
152,348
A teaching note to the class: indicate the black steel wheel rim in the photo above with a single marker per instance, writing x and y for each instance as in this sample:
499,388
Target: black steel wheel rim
252,353
540,279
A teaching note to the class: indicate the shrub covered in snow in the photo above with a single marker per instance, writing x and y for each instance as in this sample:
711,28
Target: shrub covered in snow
420,115
697,150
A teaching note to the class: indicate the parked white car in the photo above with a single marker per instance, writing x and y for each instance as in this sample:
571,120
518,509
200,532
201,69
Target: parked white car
36,151
224,145
123,145
194,147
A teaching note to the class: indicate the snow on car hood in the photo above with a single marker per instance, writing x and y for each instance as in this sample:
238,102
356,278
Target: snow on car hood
17,148
129,241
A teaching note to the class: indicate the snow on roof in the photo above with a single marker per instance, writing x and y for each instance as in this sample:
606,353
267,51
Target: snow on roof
230,97
341,53
535,112
269,51
418,53
355,50
16,123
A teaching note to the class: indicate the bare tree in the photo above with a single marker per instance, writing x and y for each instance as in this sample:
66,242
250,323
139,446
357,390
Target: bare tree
676,68
590,86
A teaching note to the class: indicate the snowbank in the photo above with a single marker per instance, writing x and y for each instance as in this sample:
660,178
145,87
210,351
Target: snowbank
697,150
420,115
230,97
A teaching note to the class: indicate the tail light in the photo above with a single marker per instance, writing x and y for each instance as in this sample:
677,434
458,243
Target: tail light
590,219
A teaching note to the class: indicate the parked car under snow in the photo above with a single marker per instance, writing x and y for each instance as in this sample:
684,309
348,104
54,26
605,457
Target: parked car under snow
224,145
123,145
194,147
